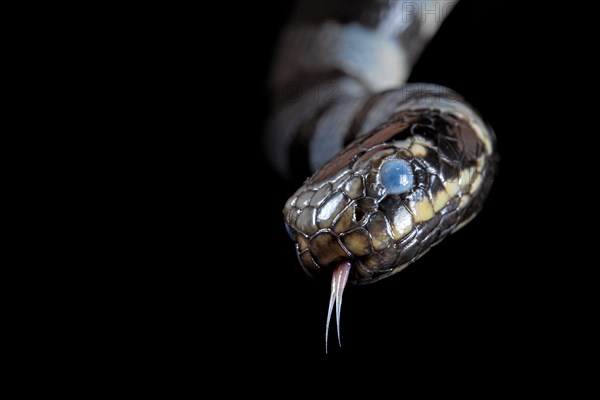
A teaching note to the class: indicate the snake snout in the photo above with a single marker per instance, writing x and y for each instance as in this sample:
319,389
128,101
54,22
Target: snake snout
344,239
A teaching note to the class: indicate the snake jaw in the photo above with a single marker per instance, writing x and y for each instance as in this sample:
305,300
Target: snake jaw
338,283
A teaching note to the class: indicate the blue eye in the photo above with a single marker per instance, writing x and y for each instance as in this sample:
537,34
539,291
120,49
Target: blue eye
397,176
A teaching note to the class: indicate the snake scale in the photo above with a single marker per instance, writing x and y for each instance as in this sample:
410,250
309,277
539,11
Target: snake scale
394,167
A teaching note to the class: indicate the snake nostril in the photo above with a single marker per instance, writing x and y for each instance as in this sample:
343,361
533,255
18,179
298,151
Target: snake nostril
359,213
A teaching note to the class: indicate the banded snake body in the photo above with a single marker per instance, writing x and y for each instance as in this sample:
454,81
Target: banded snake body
395,167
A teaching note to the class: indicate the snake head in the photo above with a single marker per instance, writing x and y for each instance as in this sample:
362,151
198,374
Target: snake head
390,196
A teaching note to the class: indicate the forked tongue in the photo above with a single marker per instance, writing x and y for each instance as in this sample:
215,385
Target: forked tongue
338,282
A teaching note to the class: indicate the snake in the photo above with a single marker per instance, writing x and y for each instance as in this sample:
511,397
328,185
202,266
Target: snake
389,168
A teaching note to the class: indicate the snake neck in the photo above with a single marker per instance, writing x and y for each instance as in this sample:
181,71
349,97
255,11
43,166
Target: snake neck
332,62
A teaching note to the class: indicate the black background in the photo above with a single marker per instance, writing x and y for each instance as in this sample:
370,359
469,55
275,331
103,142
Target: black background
230,292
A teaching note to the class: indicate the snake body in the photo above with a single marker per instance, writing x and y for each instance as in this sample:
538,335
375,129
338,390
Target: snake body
395,167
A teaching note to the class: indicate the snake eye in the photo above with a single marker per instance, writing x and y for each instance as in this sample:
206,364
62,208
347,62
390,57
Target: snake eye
289,231
396,176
